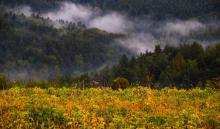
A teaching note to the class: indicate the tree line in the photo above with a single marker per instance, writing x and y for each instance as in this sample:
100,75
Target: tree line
183,66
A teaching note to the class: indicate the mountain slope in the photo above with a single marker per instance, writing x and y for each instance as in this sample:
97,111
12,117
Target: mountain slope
31,45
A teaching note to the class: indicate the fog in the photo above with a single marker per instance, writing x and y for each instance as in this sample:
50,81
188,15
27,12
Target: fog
24,74
70,12
112,22
91,17
148,33
183,28
142,34
26,10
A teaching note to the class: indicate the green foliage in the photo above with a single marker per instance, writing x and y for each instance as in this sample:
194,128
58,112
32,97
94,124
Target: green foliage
4,83
120,83
212,123
158,120
33,47
30,46
46,117
183,66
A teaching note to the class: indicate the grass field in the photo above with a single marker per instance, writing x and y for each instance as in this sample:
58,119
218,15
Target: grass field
106,108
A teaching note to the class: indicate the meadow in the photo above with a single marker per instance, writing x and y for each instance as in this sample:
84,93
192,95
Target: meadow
132,108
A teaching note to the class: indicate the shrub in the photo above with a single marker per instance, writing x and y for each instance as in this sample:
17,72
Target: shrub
120,83
4,82
46,117
211,123
41,84
158,120
213,84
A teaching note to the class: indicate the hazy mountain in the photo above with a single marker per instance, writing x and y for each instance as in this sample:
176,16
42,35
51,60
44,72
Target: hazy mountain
45,38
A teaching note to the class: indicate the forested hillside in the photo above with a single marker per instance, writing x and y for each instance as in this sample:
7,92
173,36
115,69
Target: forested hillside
50,39
32,46
185,66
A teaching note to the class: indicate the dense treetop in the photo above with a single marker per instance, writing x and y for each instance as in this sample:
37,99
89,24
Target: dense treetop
184,66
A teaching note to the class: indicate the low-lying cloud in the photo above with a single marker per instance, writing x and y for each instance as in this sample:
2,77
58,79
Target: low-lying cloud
112,22
70,12
91,17
26,10
24,74
183,28
142,34
150,33
139,43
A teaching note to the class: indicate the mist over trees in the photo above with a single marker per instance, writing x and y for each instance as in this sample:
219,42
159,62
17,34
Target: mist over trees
32,47
158,9
37,44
